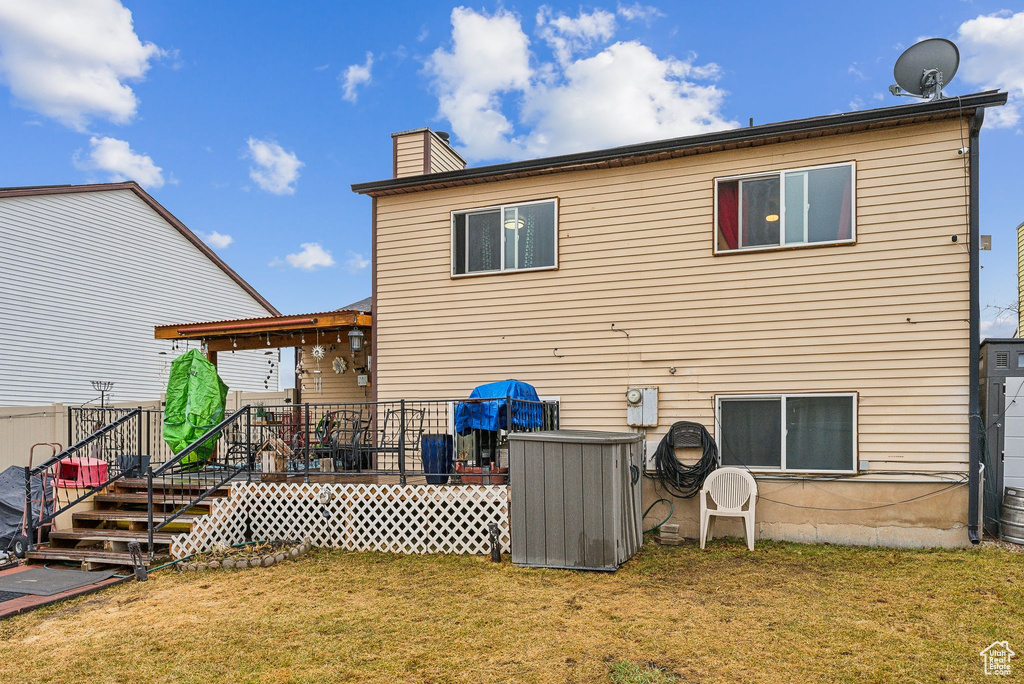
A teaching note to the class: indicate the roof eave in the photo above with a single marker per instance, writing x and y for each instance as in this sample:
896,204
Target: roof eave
735,137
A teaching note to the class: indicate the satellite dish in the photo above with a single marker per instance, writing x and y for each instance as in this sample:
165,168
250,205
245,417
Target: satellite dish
925,68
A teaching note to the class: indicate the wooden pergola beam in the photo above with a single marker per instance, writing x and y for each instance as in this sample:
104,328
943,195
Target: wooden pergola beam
277,340
244,332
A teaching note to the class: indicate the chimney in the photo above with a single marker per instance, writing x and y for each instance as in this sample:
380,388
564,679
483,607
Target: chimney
421,151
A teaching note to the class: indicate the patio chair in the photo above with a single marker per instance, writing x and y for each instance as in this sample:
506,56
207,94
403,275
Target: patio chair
389,433
730,489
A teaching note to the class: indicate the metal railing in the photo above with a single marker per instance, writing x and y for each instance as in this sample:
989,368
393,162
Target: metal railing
182,483
107,453
405,439
437,441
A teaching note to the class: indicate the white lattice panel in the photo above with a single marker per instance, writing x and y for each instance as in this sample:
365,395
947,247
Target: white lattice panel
357,517
225,523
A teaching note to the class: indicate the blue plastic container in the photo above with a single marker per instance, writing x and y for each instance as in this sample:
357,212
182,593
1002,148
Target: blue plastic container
438,456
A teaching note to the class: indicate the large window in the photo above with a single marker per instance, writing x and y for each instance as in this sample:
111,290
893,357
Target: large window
513,237
785,208
794,432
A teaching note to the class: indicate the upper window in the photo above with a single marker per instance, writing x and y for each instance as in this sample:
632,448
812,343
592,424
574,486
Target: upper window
513,237
795,432
785,208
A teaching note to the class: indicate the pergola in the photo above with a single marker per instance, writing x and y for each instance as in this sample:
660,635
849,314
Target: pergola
273,331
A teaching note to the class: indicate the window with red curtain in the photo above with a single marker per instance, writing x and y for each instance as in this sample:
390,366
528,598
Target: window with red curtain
728,215
818,207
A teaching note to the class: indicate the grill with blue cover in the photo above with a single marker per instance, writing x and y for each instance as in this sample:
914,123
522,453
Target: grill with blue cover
490,411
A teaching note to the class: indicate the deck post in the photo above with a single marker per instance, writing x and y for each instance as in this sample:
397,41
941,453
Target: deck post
401,441
308,445
139,438
250,457
149,509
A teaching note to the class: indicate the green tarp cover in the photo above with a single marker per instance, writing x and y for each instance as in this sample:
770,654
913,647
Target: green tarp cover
195,403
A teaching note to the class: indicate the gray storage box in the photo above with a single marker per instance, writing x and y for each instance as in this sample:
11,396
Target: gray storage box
575,498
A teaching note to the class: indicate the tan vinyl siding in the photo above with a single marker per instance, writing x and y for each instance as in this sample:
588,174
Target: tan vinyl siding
635,249
409,155
442,157
336,388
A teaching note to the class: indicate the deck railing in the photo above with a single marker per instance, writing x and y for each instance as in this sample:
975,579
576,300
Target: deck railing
402,441
401,438
107,453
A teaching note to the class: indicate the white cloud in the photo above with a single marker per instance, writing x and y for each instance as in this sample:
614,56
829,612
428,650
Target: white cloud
311,257
625,93
356,262
567,36
71,59
275,170
354,76
490,56
637,11
120,162
218,240
993,48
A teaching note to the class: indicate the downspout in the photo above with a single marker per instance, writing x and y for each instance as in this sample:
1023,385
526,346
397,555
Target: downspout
974,391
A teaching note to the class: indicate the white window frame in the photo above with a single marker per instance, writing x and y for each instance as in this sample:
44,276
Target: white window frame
781,175
500,208
782,396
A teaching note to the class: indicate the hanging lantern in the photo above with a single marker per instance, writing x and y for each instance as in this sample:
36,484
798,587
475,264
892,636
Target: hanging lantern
355,340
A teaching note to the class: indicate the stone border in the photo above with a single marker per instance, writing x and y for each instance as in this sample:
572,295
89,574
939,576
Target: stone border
251,561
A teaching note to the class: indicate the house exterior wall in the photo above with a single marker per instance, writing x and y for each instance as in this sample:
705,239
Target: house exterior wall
335,388
886,317
84,277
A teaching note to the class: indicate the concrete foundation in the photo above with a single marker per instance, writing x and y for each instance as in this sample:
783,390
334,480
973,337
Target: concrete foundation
790,511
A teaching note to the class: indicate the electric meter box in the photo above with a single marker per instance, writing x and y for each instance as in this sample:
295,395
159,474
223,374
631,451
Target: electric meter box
642,407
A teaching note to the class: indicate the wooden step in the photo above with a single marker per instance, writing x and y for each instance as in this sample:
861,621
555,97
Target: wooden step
131,516
162,484
99,534
158,498
90,557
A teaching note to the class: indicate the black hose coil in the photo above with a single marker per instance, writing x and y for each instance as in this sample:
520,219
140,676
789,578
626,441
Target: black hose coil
685,481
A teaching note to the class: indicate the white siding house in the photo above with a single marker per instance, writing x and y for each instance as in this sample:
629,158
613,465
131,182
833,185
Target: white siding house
85,274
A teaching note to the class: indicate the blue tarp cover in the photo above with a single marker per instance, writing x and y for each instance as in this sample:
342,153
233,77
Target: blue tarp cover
492,415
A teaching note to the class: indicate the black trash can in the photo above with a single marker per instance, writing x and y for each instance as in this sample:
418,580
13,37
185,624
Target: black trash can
438,453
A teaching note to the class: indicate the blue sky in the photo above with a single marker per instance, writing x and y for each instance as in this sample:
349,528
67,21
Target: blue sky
251,121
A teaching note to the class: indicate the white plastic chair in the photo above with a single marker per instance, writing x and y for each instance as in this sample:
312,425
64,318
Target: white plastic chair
729,489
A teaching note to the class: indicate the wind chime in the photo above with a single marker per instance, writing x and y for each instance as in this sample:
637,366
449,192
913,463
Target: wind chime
319,352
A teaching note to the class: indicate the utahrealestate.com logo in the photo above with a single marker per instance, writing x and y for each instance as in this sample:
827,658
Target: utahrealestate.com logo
997,658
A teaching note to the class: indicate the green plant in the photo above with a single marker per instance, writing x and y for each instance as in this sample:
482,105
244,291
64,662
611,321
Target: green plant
625,672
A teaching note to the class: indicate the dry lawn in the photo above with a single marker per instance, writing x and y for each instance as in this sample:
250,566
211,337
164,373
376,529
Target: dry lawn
783,613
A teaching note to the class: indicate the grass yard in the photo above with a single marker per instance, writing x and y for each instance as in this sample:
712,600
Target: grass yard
783,613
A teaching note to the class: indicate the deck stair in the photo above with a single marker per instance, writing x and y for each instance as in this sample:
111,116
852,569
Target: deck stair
98,538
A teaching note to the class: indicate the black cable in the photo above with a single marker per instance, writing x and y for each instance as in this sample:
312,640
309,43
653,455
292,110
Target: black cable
681,480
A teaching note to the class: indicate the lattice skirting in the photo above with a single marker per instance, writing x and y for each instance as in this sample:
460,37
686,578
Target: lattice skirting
357,517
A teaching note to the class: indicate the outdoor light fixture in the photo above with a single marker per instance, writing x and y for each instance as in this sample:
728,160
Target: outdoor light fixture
355,340
771,218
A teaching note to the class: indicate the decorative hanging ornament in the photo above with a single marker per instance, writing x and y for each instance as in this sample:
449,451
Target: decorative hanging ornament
339,365
319,352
